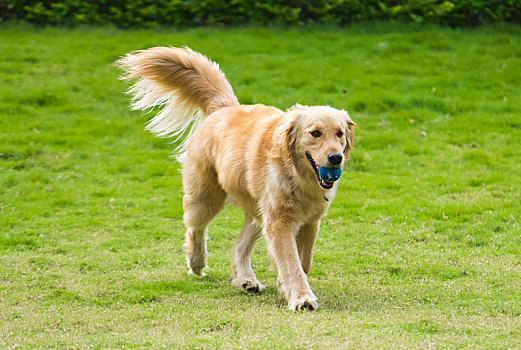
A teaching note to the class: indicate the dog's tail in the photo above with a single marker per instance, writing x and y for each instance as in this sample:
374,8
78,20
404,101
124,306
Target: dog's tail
186,84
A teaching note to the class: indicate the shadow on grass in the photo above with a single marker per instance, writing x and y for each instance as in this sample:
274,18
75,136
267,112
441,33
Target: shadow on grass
354,301
330,298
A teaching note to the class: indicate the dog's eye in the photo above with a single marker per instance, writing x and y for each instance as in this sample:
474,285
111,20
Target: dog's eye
339,134
316,133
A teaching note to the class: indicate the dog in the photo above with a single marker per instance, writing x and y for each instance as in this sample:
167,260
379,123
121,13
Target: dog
280,167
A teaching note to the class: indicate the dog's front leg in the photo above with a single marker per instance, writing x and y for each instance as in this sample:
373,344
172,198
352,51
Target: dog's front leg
292,281
305,243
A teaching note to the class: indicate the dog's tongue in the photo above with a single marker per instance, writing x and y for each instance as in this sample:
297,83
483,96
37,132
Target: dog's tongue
329,175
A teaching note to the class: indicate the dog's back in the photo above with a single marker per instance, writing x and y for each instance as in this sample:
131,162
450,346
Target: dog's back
235,142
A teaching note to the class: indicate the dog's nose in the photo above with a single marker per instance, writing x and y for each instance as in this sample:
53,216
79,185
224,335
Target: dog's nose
335,158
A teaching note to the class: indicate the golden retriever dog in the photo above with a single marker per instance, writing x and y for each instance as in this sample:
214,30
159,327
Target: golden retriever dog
279,166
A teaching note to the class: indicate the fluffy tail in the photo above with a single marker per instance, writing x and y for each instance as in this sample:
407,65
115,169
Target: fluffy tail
186,84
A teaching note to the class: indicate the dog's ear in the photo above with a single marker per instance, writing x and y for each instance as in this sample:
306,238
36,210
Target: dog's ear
291,139
350,135
284,138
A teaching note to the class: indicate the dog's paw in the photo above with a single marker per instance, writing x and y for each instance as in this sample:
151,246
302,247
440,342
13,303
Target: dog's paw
199,273
303,303
250,285
196,265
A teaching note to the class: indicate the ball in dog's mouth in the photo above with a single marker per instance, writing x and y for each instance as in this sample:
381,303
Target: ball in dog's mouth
326,176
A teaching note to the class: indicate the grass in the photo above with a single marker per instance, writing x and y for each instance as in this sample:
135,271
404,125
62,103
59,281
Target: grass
420,249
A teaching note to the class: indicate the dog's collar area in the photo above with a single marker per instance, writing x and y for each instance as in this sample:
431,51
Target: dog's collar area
321,182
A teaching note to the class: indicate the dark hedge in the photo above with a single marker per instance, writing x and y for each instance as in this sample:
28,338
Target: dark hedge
153,13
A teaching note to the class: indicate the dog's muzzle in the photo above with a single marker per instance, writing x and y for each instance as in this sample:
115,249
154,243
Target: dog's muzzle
326,176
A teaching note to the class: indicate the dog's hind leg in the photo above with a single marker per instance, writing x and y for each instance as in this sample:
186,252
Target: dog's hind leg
242,272
203,199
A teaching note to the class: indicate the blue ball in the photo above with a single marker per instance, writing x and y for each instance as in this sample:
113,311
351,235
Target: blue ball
330,174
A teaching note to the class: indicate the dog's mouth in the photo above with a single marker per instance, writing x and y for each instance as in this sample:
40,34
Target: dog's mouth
324,184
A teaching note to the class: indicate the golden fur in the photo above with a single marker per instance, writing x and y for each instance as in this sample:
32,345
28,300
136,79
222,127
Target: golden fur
259,157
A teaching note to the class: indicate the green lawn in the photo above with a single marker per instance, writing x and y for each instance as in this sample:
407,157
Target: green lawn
420,249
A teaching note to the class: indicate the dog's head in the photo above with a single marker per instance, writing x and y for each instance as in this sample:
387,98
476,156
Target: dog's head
318,140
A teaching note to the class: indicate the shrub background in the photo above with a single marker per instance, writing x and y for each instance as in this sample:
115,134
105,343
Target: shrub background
153,13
